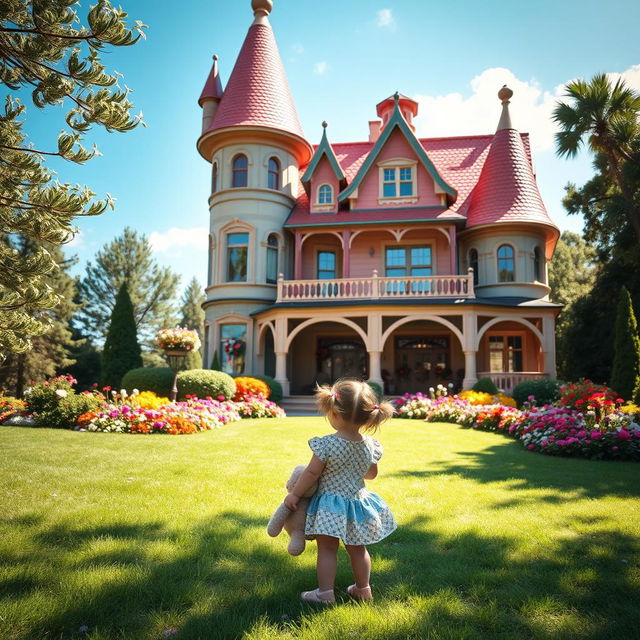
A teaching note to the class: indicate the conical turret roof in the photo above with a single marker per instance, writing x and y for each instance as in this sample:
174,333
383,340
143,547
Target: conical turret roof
213,86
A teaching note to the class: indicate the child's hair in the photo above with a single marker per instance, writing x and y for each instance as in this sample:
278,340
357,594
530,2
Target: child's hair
355,401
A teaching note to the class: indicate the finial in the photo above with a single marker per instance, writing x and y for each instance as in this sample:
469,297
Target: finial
261,10
396,97
325,124
505,95
215,57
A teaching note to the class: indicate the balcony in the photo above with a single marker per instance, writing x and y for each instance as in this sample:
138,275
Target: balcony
376,288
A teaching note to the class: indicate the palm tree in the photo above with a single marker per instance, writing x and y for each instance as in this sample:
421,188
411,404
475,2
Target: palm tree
606,116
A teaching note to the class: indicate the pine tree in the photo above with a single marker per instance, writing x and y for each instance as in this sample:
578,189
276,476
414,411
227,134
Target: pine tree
121,349
215,361
44,48
625,373
128,259
193,318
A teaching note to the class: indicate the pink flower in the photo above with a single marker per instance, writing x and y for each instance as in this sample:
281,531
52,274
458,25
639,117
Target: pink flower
596,435
623,434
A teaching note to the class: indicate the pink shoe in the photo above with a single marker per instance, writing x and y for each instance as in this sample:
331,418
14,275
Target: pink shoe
361,594
319,596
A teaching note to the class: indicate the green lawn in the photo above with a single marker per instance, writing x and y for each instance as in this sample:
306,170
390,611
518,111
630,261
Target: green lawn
134,536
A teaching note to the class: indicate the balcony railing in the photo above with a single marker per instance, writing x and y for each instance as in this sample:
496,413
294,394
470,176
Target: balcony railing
376,288
507,381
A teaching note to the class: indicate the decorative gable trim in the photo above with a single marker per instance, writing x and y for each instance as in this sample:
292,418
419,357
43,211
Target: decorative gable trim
324,149
397,120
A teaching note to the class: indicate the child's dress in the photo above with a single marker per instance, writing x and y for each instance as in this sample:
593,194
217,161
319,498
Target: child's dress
342,506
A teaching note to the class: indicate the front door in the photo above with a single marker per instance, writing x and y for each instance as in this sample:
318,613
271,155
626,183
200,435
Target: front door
340,358
421,362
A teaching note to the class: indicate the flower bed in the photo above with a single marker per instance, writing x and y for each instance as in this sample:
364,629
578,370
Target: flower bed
10,406
259,407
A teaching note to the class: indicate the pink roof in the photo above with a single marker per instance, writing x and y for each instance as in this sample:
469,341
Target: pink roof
257,93
213,86
507,189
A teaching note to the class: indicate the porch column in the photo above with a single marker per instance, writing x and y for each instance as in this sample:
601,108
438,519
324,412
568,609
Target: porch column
281,372
346,264
297,257
470,376
549,345
280,348
375,375
453,249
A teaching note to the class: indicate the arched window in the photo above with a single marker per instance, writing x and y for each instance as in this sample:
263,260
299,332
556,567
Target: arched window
537,264
272,259
506,264
274,174
240,171
473,263
325,194
214,178
237,255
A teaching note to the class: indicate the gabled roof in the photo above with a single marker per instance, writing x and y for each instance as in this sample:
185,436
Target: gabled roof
397,120
324,149
213,86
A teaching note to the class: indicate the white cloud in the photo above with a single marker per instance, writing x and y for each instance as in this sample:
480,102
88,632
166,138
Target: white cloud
385,19
177,238
320,68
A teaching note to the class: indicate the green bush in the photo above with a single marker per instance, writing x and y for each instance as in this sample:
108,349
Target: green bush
156,379
377,388
204,382
274,386
545,391
67,410
485,385
45,396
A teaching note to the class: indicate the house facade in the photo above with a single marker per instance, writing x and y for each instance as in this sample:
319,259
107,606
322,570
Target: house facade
406,261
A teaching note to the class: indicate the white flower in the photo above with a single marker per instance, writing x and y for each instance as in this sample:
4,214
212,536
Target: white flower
123,393
61,393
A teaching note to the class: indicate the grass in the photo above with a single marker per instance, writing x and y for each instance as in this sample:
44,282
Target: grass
138,536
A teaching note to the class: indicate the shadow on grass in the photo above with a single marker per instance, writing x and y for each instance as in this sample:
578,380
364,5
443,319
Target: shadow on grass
223,578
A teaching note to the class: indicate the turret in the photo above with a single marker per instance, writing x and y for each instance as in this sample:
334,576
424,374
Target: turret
210,96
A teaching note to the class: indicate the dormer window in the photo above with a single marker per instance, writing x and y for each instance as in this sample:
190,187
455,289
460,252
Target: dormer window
325,194
398,181
240,171
274,174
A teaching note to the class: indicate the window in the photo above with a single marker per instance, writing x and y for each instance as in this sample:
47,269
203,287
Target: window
272,259
240,171
473,263
237,251
274,174
408,261
233,345
397,182
325,194
214,178
505,354
506,264
537,265
326,265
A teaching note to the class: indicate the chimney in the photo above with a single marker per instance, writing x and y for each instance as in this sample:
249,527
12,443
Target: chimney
374,130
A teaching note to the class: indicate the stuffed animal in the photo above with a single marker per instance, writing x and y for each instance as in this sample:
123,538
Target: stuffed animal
292,521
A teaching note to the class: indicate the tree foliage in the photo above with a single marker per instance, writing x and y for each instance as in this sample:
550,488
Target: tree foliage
625,372
121,349
128,259
45,47
192,317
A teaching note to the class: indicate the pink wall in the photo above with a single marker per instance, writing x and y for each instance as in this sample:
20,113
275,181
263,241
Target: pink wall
532,356
323,175
310,248
395,147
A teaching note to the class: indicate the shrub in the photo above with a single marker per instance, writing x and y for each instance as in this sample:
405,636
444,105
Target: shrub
377,389
584,395
156,379
486,385
205,383
44,396
275,387
544,391
65,413
625,371
247,386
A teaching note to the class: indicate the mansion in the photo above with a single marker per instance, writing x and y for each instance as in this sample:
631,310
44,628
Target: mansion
406,261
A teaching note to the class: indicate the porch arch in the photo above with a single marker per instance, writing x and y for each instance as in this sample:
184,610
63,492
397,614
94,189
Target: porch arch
310,321
261,331
516,319
432,318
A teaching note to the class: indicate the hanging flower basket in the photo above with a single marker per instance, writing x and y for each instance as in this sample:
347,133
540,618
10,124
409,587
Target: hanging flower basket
178,340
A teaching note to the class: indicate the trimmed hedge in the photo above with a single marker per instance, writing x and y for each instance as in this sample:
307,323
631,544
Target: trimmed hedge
205,382
156,379
274,385
485,385
545,391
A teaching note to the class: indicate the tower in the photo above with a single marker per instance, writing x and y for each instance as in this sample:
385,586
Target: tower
252,137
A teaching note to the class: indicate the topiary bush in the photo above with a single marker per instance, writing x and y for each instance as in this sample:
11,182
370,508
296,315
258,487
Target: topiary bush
275,387
204,382
485,385
544,390
156,379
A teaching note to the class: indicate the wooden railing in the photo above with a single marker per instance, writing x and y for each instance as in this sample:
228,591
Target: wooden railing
375,288
507,381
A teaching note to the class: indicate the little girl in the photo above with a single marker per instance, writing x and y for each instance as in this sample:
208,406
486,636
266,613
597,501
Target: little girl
342,508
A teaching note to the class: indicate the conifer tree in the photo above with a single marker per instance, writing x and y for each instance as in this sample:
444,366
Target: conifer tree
45,48
625,374
121,349
192,317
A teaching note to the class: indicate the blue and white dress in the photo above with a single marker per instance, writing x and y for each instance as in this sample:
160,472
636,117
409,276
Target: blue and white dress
342,506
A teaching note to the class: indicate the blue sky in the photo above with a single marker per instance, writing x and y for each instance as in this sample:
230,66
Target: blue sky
341,59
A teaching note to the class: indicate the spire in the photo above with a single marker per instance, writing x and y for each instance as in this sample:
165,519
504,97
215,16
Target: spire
213,86
261,11
506,190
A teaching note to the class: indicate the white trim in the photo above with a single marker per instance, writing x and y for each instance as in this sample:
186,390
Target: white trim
417,318
522,321
231,227
337,319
